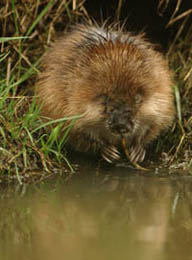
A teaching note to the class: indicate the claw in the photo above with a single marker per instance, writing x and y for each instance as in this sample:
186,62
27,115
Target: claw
110,154
137,153
142,157
106,158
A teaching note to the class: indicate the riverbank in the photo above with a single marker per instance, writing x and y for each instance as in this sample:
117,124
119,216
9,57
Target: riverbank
28,151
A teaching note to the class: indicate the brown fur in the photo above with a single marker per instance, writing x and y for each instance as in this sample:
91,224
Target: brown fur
107,75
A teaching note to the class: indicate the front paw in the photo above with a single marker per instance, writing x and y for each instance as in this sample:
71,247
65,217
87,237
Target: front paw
110,154
137,153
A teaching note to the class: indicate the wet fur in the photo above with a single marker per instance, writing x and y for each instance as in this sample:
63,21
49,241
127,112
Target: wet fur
92,70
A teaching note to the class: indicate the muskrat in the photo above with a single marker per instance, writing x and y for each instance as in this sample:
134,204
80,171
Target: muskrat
116,80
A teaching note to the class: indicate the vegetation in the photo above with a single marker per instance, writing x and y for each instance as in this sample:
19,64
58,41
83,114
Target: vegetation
27,150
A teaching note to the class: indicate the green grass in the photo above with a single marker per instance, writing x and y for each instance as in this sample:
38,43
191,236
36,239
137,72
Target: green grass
26,143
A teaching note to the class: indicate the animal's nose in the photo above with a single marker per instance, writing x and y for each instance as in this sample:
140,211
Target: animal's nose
120,123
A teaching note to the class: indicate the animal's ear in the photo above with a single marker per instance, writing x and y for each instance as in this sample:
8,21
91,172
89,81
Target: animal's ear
138,98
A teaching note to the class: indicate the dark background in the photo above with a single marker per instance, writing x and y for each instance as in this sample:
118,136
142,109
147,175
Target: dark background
142,15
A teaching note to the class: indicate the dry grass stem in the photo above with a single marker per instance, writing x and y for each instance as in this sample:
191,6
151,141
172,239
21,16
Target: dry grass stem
136,165
179,17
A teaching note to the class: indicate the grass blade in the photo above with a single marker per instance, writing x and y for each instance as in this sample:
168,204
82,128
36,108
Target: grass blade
178,102
39,17
6,39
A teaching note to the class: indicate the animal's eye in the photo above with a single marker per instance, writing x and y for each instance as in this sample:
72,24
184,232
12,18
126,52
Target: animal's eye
102,99
127,110
110,109
138,98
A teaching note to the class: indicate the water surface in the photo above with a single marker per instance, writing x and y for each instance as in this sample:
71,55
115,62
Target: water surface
116,214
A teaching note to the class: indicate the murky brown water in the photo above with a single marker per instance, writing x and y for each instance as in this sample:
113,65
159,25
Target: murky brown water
104,216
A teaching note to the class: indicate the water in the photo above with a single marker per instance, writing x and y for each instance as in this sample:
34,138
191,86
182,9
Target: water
116,214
